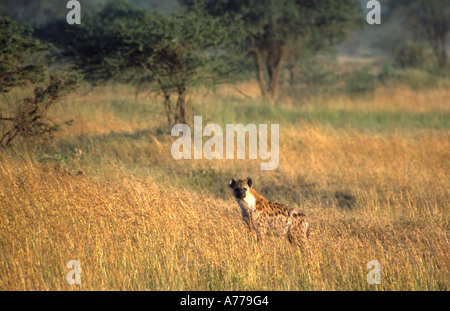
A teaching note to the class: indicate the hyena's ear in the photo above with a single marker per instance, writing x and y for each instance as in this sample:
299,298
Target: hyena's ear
249,182
231,182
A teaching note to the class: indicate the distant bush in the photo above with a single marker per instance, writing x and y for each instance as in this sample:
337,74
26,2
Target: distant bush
311,76
360,82
420,79
410,55
417,78
387,72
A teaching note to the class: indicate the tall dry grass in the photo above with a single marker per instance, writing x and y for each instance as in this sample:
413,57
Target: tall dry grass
136,219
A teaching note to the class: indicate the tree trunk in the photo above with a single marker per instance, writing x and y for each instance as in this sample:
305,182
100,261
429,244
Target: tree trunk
274,61
441,52
291,70
275,81
168,108
438,45
167,104
274,56
260,73
437,28
180,112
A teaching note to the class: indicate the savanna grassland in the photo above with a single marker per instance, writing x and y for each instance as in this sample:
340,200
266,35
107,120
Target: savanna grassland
371,171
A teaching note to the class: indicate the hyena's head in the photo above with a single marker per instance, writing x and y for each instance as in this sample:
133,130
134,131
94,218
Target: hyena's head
240,187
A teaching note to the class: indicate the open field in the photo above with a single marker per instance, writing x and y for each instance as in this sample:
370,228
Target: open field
372,172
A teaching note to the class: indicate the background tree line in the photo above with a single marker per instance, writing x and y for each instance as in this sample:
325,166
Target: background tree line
172,46
201,44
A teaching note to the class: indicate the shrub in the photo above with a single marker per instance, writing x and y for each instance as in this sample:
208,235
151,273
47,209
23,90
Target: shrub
360,82
29,118
410,55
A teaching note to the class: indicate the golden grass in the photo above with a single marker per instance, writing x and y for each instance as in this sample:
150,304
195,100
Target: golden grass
133,225
130,234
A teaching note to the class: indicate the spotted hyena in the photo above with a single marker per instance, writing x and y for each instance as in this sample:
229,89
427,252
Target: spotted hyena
266,217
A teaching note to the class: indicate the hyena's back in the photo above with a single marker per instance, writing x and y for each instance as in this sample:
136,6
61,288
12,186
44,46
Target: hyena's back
283,220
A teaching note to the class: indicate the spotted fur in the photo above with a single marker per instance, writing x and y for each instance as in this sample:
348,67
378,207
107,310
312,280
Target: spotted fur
267,217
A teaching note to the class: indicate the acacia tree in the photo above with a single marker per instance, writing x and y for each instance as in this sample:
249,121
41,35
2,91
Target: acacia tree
173,52
22,64
278,28
195,49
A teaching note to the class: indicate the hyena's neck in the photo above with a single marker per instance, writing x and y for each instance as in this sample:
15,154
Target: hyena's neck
248,203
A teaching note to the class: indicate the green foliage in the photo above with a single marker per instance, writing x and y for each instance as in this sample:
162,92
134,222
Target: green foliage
18,54
426,20
174,52
420,79
360,81
40,12
410,54
288,21
127,43
29,118
311,76
282,28
387,72
21,63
